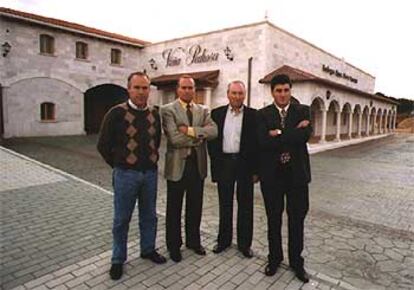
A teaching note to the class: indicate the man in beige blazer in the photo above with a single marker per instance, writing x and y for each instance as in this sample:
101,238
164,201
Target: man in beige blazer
187,126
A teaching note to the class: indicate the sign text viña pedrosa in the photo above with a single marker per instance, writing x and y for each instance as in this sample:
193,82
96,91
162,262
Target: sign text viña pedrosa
195,54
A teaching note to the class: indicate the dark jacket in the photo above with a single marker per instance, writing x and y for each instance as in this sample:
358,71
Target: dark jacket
248,143
292,140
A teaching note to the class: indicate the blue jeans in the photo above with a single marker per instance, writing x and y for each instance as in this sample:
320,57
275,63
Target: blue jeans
130,186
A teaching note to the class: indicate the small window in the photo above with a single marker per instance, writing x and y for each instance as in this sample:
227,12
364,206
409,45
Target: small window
47,112
115,56
81,50
47,44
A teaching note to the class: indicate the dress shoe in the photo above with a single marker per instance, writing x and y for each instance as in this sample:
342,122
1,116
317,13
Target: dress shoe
116,271
271,269
198,250
155,257
248,253
219,248
176,256
301,275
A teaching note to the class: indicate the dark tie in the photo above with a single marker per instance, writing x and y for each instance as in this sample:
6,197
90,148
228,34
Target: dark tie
283,115
285,156
189,115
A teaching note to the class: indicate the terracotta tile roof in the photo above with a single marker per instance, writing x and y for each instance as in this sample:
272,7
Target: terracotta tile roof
297,75
202,78
71,26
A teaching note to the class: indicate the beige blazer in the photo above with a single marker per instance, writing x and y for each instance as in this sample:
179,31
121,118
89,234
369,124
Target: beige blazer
179,144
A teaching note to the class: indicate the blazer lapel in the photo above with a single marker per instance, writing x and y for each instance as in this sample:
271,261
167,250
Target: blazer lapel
275,118
291,117
197,112
222,117
182,115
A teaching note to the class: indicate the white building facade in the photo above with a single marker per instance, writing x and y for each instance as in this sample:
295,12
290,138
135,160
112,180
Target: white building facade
69,90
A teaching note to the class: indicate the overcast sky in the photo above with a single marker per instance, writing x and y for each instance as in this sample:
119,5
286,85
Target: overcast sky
376,36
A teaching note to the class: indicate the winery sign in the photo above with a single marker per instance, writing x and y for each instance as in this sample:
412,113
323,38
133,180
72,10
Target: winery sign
338,73
194,54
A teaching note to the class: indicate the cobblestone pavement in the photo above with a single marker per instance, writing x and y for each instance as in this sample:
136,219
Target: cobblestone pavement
360,229
55,234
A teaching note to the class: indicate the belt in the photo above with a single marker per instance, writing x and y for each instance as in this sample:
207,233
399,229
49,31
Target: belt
232,156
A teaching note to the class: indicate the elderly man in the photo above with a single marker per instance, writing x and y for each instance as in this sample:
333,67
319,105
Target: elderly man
187,126
129,142
234,162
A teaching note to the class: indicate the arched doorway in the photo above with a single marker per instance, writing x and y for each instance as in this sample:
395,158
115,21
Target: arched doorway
98,100
346,121
365,121
317,107
356,124
372,120
333,122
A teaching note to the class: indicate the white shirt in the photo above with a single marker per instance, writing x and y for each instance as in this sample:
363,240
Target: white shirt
133,106
280,109
232,131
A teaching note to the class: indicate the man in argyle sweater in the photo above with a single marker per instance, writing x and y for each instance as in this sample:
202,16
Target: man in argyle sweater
129,142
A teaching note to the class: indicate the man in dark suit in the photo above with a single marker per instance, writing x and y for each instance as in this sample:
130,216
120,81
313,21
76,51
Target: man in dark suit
187,126
234,161
284,129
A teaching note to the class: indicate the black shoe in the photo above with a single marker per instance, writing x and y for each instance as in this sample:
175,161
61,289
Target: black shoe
155,257
248,253
116,271
198,250
176,256
271,269
301,275
219,248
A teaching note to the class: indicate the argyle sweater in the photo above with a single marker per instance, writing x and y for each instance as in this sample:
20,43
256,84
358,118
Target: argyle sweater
130,138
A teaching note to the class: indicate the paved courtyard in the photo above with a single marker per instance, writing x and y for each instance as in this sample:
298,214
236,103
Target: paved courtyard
55,228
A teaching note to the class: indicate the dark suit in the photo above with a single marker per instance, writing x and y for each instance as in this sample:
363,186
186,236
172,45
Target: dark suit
229,169
290,179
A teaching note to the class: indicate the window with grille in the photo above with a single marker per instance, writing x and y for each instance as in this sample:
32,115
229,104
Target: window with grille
47,44
47,111
81,50
115,56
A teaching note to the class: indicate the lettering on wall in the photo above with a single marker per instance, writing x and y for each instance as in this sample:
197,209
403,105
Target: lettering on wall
338,73
195,54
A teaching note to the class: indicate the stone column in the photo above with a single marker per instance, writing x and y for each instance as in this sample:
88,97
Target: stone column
394,121
323,130
380,125
207,95
368,125
338,126
359,124
350,117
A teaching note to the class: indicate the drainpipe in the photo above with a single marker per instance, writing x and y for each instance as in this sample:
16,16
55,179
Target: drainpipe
249,80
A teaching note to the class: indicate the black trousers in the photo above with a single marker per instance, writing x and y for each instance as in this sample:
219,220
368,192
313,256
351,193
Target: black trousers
235,174
192,185
297,197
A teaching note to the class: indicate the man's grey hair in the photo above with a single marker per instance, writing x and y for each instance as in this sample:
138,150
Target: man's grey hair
236,82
